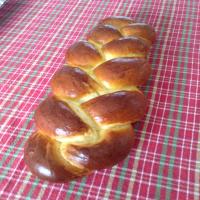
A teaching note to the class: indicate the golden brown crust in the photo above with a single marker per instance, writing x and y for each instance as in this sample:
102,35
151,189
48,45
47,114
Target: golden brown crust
87,123
56,119
117,22
141,30
123,72
103,34
125,47
41,155
83,54
113,149
72,82
105,109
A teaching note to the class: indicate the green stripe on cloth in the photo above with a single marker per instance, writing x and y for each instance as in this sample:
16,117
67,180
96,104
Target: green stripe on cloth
166,141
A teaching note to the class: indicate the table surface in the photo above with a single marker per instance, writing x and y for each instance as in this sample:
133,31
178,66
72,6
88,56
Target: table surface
165,161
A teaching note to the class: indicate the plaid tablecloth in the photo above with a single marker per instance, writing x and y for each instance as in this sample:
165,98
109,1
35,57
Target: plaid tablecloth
165,161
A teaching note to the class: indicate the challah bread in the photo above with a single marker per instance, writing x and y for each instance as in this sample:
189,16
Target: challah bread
86,123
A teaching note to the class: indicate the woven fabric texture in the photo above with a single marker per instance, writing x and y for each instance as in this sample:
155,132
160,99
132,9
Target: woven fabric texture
164,163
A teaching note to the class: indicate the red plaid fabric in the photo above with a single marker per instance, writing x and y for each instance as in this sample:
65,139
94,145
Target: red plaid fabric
165,160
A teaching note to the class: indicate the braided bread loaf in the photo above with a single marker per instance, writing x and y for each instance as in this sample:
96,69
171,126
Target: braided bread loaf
85,125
